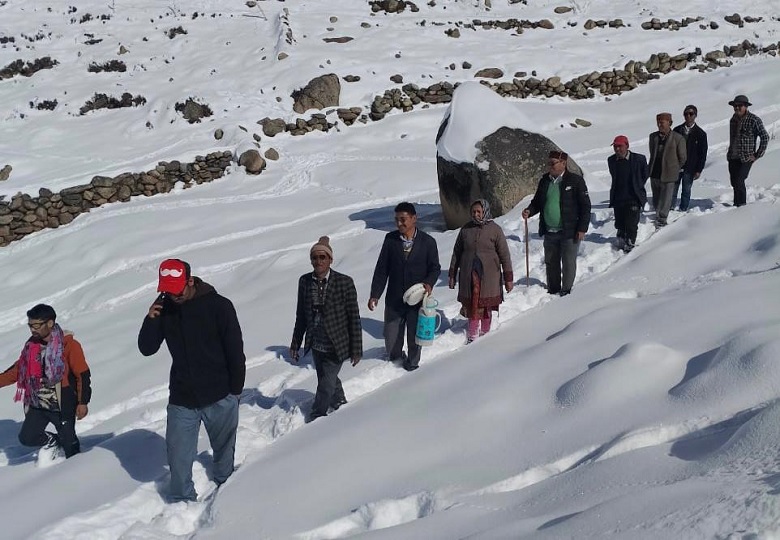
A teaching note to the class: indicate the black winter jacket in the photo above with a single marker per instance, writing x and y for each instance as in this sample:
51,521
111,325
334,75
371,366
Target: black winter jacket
696,147
421,266
639,174
575,204
205,342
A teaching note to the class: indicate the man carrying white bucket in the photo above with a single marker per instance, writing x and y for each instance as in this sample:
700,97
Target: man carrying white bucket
409,256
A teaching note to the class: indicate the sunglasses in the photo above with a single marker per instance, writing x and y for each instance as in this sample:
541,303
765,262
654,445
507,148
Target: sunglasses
739,105
319,257
37,325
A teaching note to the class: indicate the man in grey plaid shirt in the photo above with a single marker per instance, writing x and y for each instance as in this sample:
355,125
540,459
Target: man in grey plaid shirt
744,128
328,314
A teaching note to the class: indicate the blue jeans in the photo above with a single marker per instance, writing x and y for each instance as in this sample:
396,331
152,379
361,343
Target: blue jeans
181,440
686,181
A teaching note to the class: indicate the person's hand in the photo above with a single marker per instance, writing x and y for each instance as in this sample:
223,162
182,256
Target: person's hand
294,353
580,236
452,283
696,175
509,285
526,214
355,360
154,311
428,289
81,411
752,157
372,302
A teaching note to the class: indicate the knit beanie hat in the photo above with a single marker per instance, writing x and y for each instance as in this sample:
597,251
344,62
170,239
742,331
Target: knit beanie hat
322,246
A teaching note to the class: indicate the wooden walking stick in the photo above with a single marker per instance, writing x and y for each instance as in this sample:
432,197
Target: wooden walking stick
527,272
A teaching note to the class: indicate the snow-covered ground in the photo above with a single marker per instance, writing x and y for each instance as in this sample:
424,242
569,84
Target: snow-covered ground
644,405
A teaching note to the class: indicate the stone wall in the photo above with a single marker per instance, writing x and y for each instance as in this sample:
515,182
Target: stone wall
24,214
585,86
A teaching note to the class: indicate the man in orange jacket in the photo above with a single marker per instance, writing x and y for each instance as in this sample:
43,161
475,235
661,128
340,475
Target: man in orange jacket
52,381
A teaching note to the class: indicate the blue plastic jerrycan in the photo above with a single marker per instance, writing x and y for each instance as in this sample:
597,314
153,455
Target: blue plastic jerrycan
428,321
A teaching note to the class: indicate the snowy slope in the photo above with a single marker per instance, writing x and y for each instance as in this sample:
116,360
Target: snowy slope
641,406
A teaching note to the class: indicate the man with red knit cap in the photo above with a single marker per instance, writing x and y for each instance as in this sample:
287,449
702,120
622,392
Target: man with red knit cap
627,194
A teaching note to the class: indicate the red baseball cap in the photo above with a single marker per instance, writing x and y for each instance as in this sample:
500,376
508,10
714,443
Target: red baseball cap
621,140
173,275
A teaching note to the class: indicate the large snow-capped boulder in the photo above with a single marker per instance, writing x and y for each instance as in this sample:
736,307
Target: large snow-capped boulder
483,151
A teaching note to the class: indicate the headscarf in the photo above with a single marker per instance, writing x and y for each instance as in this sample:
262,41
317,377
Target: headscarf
486,216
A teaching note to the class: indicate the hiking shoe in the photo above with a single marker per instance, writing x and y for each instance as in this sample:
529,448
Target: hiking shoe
628,247
52,441
565,293
313,416
338,403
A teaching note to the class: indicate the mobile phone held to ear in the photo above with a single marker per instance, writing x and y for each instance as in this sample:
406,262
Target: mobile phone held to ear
161,299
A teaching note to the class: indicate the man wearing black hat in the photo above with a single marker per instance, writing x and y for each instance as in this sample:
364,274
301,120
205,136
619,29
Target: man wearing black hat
563,203
696,150
743,130
204,339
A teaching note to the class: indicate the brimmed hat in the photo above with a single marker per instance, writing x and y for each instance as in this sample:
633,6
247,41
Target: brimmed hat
741,99
322,246
173,276
663,115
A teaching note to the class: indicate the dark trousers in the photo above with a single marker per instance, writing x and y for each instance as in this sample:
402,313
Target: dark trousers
664,203
655,188
738,173
329,389
685,181
560,257
397,322
33,432
627,219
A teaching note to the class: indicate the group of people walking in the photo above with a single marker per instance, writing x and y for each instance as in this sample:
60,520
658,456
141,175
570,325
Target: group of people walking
677,159
203,335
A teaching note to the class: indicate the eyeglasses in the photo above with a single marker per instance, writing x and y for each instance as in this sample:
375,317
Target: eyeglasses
36,325
689,113
319,257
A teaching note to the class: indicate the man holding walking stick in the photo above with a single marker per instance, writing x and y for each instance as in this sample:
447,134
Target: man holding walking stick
563,203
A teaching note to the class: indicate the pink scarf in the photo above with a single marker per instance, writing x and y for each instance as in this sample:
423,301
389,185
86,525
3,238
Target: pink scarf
38,365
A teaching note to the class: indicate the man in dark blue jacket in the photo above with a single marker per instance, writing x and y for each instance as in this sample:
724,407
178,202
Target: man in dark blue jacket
204,338
696,145
564,205
409,256
627,194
